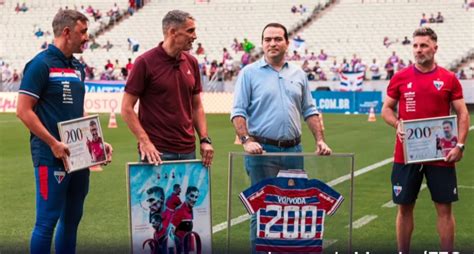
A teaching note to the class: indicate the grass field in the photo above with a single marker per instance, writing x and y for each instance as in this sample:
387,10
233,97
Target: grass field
104,227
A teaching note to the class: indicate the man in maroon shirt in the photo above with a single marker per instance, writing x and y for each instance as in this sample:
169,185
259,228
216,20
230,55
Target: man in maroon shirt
166,80
425,90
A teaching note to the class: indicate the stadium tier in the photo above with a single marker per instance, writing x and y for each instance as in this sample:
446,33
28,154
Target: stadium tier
349,27
19,42
360,26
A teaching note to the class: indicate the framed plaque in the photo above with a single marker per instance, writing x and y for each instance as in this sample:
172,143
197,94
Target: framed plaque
169,207
84,138
429,139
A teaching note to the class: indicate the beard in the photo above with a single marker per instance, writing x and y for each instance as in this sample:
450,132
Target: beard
423,60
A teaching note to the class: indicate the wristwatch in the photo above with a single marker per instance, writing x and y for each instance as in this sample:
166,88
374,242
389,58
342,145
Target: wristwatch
460,146
244,139
206,140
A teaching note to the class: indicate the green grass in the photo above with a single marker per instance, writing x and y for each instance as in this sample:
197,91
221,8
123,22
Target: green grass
104,227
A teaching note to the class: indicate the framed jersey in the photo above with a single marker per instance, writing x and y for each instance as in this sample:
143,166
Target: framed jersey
84,138
290,211
169,207
429,139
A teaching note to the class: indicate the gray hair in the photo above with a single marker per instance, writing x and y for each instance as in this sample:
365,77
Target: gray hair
66,18
175,18
426,31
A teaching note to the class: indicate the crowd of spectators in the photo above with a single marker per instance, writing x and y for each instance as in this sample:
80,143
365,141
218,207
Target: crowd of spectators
21,8
298,9
7,74
311,64
438,19
239,54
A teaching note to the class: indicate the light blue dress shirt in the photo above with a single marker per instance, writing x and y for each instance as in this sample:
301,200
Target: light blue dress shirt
272,102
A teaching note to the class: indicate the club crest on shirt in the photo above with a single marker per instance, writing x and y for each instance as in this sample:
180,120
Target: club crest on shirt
438,84
409,85
397,189
59,175
291,182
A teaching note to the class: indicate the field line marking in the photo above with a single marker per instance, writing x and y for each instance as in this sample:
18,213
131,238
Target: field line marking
466,187
360,172
366,219
222,226
328,243
9,121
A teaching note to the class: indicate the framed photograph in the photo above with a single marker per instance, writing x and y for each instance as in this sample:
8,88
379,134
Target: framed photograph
429,139
169,207
85,141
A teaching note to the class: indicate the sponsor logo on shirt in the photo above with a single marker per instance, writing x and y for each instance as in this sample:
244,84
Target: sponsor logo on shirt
291,201
326,197
256,195
409,85
410,103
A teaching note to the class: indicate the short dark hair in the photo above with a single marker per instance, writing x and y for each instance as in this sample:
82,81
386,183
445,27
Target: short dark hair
191,189
277,25
175,18
156,189
448,122
426,31
175,186
66,18
92,123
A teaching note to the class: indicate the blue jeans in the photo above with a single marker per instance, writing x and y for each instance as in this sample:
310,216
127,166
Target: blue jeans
59,197
262,167
167,156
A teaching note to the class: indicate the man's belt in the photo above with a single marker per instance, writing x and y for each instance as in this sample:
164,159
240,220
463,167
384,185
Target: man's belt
278,143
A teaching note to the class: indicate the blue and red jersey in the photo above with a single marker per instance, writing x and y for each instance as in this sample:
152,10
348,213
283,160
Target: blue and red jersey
290,211
57,82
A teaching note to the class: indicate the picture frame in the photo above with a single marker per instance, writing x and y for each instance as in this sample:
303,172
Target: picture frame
429,139
156,221
85,141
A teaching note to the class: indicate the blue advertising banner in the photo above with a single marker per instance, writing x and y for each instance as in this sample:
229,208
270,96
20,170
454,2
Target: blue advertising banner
105,86
347,102
170,207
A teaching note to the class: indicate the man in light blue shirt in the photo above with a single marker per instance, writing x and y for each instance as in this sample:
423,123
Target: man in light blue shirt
270,97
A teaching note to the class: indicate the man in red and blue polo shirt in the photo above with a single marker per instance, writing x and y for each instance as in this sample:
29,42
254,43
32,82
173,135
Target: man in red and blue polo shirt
425,90
52,90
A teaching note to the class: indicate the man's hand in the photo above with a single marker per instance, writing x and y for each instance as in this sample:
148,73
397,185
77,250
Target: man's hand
322,148
454,155
150,153
109,150
252,147
61,151
207,153
400,133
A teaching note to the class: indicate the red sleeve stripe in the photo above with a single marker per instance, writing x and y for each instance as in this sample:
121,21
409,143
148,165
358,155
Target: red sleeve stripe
43,182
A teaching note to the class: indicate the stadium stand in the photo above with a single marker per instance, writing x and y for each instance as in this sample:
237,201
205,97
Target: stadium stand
359,27
218,23
349,27
18,42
